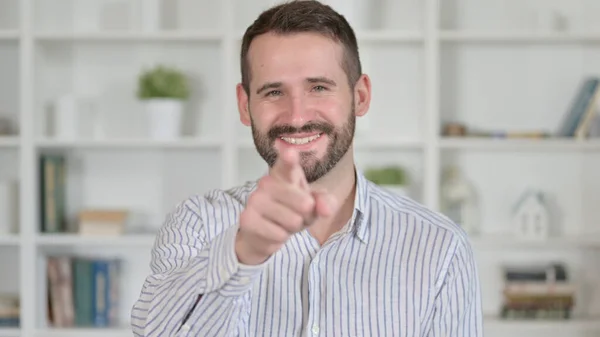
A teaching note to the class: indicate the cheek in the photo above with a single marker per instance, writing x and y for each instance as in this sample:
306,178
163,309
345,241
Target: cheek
332,109
264,114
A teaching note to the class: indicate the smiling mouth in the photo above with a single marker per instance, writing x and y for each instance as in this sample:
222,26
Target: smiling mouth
300,140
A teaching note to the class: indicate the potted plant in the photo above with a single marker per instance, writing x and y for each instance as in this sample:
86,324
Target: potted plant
163,91
393,178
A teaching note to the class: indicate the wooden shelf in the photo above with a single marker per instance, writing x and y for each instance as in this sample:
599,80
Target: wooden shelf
84,332
10,332
126,36
9,240
9,35
518,145
9,141
130,144
503,241
587,323
518,37
75,240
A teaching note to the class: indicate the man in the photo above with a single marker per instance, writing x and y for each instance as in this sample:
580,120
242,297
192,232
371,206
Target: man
312,248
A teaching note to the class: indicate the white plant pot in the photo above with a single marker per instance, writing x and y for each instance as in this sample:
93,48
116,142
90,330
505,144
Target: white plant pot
66,117
397,189
165,116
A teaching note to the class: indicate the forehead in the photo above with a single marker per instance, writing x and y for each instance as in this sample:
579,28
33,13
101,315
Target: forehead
299,54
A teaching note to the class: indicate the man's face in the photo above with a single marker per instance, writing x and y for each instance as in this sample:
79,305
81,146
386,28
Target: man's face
299,98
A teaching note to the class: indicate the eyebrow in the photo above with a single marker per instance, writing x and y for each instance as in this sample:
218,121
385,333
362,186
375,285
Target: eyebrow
276,85
270,85
321,79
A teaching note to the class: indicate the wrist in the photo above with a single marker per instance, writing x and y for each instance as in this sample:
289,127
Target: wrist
245,254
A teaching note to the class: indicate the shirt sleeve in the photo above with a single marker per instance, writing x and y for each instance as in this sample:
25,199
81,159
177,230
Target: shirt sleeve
458,310
197,287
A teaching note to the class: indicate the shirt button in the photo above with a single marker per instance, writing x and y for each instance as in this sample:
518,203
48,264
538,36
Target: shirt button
185,327
315,330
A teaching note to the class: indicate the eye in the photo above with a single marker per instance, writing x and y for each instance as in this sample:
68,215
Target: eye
273,93
319,88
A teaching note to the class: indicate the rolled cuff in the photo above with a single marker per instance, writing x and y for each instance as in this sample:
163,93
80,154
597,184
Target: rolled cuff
226,274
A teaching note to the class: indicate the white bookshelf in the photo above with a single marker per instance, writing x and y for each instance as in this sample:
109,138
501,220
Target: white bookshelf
486,63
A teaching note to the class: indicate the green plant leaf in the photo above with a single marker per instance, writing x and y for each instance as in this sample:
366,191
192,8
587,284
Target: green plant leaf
388,175
163,82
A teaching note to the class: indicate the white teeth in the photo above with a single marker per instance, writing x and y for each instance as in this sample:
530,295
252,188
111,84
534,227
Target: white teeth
301,141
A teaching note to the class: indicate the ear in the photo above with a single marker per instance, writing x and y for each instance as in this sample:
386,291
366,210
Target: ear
362,94
242,101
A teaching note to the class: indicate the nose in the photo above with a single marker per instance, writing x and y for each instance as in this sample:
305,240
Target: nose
299,111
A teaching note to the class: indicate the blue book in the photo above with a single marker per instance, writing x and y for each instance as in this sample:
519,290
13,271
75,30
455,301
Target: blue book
578,107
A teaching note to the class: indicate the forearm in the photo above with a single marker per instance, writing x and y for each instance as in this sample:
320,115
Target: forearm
168,298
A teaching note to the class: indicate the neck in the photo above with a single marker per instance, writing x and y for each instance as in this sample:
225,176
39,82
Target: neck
341,183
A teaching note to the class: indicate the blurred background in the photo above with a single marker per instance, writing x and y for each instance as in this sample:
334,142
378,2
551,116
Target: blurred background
112,111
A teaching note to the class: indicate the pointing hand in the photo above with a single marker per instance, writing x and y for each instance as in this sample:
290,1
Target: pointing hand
282,205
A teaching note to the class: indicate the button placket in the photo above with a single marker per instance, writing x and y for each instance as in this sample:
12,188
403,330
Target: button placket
315,293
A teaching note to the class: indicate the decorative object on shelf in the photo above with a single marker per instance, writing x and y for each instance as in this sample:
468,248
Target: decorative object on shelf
594,130
151,16
5,126
578,119
524,134
9,206
10,307
110,222
537,291
83,291
53,193
454,130
392,178
74,117
459,200
163,90
531,216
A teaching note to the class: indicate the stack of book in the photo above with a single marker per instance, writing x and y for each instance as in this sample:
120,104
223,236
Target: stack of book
9,311
537,292
82,292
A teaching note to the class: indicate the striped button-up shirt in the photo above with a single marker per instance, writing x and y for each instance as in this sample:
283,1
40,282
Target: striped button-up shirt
396,269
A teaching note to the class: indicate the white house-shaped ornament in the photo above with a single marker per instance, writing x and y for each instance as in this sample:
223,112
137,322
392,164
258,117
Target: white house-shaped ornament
531,216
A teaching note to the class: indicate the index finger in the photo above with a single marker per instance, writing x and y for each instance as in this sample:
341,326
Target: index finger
287,167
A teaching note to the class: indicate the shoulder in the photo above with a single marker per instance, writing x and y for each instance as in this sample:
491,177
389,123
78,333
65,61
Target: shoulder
451,241
210,213
413,213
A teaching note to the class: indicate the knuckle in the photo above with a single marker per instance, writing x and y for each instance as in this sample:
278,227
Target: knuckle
255,199
265,182
307,206
296,221
280,236
245,218
249,219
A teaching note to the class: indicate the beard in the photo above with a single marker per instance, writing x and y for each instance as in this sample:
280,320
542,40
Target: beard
340,140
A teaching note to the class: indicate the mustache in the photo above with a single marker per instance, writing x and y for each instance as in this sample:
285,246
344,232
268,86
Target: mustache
279,130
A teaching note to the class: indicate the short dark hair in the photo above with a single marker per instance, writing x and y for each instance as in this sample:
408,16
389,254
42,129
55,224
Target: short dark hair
304,16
